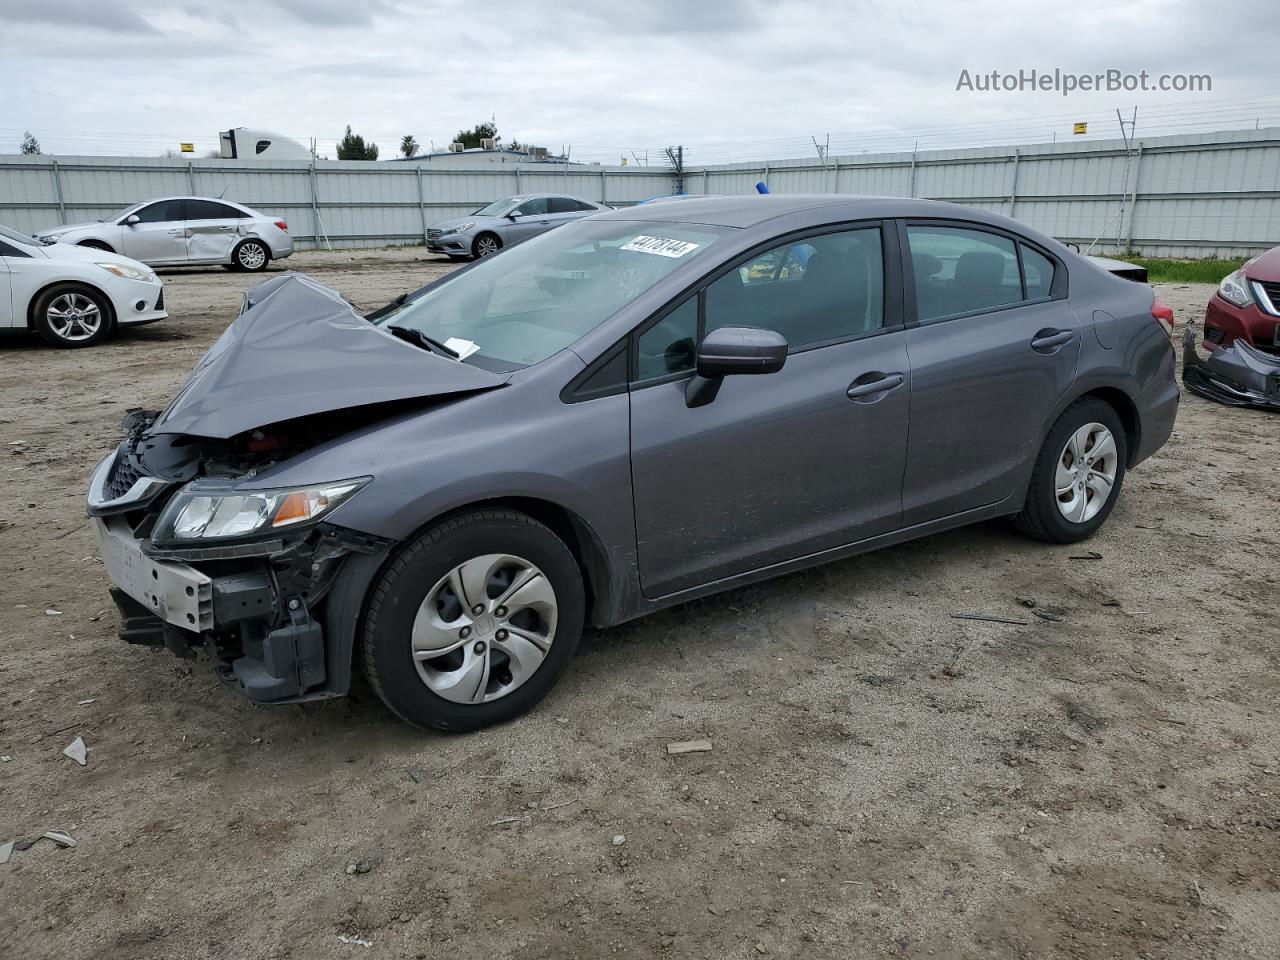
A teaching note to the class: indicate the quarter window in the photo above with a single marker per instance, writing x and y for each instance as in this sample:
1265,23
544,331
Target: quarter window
824,288
958,270
1038,270
668,346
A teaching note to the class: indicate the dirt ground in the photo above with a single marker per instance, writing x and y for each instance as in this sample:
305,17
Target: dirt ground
886,781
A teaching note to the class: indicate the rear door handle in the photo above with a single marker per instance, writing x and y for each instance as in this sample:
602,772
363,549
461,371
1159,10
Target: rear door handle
1048,341
176,233
882,384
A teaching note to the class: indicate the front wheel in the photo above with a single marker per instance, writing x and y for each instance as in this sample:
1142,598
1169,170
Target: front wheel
251,256
486,245
1078,474
72,315
474,621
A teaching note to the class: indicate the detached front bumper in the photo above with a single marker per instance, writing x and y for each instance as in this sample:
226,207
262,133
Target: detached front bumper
1237,375
278,617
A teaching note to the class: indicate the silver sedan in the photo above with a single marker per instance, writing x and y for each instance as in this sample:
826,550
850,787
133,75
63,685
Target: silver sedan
174,231
506,221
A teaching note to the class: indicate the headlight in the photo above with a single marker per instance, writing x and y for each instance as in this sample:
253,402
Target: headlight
212,514
128,272
464,228
1234,288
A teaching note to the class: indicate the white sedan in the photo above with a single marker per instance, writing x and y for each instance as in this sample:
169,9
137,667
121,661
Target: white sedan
73,296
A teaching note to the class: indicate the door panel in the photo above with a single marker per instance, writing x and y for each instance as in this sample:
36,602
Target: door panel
776,467
160,237
980,393
212,229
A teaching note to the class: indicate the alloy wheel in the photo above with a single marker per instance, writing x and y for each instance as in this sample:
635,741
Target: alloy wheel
74,317
484,628
251,256
486,246
1086,473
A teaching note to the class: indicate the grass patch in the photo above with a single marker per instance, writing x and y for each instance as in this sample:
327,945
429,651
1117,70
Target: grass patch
1185,271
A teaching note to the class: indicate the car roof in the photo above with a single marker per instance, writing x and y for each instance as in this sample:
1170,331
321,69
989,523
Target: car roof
230,203
749,210
536,196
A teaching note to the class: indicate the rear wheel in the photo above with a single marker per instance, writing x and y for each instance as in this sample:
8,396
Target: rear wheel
251,256
486,245
474,621
1078,474
73,315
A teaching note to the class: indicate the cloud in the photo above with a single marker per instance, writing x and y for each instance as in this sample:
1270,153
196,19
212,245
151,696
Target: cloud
730,79
93,14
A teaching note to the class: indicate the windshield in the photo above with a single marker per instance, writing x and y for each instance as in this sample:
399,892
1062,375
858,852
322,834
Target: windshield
498,207
520,306
123,213
16,237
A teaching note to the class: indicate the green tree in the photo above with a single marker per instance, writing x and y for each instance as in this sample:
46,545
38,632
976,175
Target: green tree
481,131
409,147
30,145
353,147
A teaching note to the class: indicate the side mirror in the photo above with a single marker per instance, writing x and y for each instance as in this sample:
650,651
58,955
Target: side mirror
132,219
514,215
730,351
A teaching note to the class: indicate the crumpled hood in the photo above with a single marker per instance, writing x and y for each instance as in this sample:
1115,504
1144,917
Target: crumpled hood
299,348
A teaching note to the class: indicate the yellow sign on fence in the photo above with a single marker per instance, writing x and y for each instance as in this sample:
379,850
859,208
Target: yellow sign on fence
187,147
1080,128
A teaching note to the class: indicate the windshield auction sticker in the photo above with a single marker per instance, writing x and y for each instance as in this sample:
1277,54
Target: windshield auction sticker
660,246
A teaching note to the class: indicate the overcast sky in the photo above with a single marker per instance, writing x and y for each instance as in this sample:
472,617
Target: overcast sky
731,80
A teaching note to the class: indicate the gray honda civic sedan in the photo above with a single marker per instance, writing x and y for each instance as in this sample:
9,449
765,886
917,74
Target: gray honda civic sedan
634,410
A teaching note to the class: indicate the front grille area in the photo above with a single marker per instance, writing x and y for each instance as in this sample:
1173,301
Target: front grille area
160,301
122,478
434,234
1272,289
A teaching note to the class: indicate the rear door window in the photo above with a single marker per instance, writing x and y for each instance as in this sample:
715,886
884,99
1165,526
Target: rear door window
561,205
962,270
211,210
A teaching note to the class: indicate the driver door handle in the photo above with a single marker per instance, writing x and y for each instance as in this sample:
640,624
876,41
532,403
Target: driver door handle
884,383
1048,341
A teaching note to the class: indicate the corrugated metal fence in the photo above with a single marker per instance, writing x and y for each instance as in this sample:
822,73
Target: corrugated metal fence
1189,196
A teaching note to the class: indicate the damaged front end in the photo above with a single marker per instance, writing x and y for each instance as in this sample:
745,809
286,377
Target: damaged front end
1238,375
257,578
203,551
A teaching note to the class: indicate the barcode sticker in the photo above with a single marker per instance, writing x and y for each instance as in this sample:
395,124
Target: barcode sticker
660,246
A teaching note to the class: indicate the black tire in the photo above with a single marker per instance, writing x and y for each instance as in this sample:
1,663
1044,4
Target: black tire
96,245
255,252
477,246
403,586
1040,516
43,325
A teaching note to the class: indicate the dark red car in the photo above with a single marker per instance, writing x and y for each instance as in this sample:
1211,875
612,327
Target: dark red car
1246,306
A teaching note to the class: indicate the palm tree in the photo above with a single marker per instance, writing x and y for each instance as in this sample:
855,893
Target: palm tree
408,146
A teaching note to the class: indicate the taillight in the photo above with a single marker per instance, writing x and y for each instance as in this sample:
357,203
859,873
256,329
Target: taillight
283,225
1164,316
